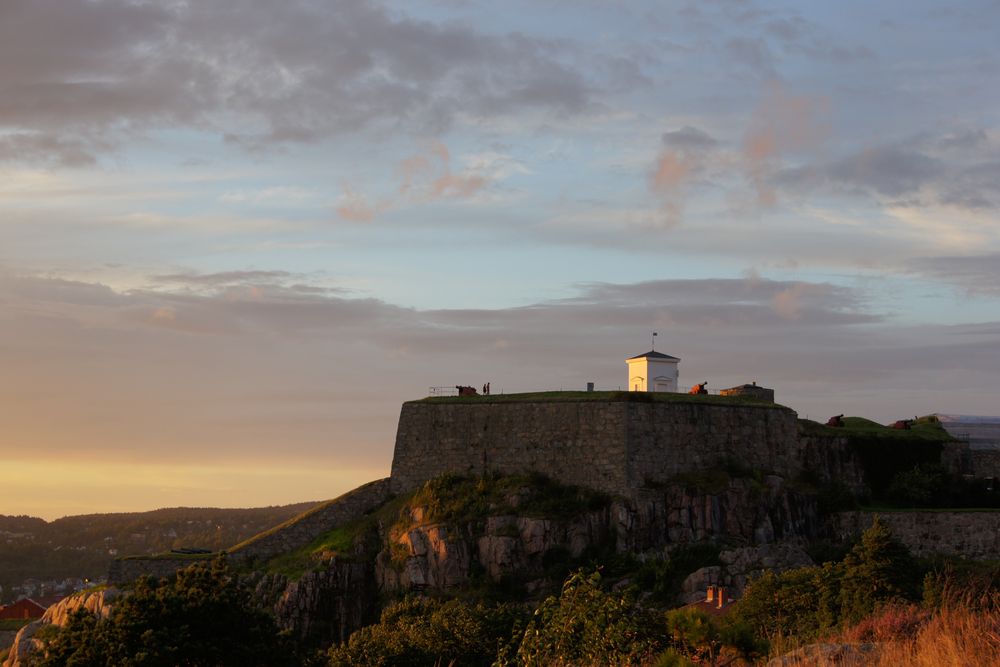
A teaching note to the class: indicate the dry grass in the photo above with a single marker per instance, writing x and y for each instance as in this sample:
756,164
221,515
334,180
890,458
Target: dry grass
964,632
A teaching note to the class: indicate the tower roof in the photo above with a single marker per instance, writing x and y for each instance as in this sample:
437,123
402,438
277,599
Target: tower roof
653,354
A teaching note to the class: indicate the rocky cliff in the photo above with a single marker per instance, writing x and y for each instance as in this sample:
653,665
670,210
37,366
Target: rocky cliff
420,554
97,602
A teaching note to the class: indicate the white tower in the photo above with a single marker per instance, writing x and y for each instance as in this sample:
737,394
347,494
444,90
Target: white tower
652,371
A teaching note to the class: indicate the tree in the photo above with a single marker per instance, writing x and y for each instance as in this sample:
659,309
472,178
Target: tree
585,625
879,569
198,618
426,631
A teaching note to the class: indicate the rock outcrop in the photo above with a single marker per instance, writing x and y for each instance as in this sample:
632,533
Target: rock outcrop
741,565
97,602
324,605
745,513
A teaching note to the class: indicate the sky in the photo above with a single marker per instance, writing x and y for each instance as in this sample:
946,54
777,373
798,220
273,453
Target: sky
235,235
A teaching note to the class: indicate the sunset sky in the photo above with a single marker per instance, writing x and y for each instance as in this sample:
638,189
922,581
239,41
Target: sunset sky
236,235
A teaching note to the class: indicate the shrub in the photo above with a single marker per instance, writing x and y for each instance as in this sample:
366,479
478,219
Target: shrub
808,602
200,617
878,570
421,631
584,626
921,486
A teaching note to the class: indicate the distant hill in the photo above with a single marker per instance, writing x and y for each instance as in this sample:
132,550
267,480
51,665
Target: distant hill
82,546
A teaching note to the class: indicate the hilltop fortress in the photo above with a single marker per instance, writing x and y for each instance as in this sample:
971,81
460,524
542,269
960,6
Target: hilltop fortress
648,450
616,442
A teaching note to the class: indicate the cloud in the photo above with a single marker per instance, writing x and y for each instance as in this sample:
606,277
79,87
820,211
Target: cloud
891,171
955,168
681,160
356,207
257,72
974,274
428,176
49,150
222,278
689,139
752,301
781,123
752,53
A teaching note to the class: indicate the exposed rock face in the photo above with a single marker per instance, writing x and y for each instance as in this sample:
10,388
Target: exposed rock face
98,603
744,512
442,558
323,606
741,565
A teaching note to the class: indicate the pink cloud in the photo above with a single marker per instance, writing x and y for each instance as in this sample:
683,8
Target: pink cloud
781,123
423,177
355,207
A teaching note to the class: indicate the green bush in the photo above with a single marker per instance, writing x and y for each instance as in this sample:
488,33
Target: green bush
420,631
807,602
199,618
879,569
584,625
700,639
921,486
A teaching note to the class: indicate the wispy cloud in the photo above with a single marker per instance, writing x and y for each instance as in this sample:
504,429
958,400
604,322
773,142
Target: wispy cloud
297,71
782,122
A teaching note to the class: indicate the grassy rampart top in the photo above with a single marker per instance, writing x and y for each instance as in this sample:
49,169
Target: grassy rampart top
321,507
604,396
925,429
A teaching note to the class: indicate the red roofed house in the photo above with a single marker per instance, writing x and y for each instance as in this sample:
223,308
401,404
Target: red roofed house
717,602
23,608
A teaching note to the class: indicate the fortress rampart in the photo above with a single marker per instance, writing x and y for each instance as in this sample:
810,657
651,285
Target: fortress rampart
616,445
283,538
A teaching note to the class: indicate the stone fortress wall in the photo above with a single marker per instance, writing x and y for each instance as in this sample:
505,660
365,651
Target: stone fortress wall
615,446
973,535
288,536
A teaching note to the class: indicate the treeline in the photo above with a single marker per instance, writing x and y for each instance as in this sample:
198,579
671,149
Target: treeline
80,546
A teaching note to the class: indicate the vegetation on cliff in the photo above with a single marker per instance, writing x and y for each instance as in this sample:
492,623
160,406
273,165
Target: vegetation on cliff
428,631
200,617
449,499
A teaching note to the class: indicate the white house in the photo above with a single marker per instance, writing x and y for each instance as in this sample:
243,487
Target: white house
652,371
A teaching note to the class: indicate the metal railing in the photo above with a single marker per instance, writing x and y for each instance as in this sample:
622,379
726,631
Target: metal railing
453,391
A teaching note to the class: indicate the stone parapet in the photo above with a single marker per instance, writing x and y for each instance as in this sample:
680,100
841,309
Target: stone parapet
126,570
985,462
970,535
